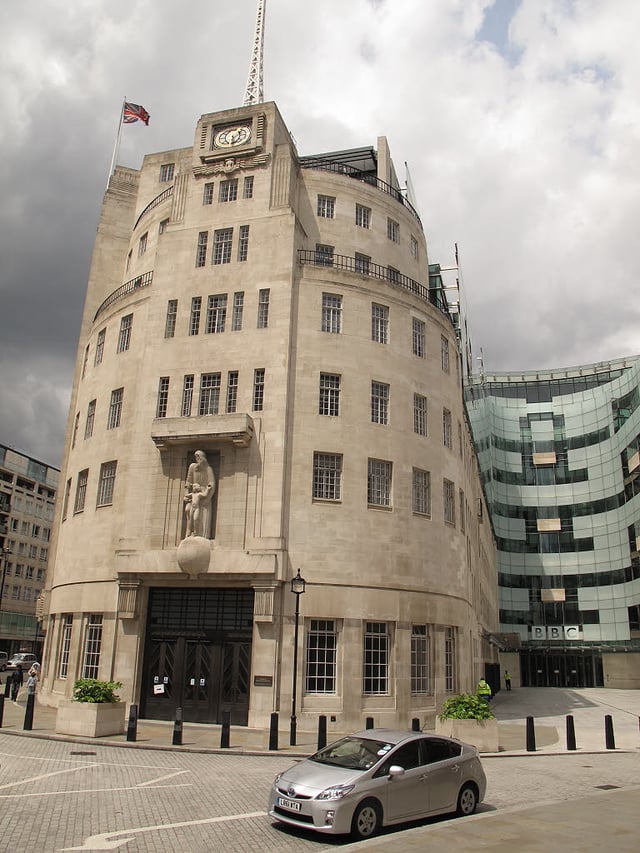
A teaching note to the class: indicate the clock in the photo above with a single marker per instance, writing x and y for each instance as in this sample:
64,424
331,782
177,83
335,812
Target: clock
230,137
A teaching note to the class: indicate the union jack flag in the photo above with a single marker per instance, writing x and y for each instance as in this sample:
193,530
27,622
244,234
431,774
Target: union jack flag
134,112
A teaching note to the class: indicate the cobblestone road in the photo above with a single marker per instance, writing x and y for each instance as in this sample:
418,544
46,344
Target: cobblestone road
58,796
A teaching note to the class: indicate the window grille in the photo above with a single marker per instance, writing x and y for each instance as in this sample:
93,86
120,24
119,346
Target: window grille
379,482
419,338
209,394
92,647
448,494
207,194
163,397
376,659
228,190
222,239
421,492
379,403
142,244
194,317
166,172
124,338
329,403
263,308
65,645
232,391
106,483
450,675
187,395
326,206
91,414
243,243
380,323
201,251
362,263
332,313
115,408
248,187
444,353
419,414
327,476
238,310
321,656
170,321
81,490
446,428
324,255
420,660
216,314
363,216
100,347
258,389
393,230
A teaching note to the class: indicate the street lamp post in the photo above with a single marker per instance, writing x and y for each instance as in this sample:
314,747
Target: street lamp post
5,553
297,588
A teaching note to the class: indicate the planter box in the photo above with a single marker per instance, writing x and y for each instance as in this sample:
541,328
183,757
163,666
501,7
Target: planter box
483,734
87,719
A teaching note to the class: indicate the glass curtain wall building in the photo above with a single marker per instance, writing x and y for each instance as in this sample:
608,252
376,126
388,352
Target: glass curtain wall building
559,453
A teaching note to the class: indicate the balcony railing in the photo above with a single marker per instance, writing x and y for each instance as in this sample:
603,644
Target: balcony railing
136,283
358,175
365,267
154,203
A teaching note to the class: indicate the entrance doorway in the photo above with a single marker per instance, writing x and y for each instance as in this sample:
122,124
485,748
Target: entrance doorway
556,668
198,655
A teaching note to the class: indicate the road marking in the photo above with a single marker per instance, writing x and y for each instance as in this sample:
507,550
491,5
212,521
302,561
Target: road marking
90,791
161,779
45,776
109,840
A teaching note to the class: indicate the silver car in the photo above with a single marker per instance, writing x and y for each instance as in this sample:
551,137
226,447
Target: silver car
376,778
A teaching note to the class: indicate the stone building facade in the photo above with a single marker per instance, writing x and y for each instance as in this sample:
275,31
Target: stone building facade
269,320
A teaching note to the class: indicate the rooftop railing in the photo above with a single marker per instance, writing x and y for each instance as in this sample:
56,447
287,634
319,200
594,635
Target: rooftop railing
128,287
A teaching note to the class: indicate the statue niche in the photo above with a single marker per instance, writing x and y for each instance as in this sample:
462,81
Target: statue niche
199,489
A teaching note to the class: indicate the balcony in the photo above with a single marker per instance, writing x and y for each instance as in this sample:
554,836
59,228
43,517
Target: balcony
207,431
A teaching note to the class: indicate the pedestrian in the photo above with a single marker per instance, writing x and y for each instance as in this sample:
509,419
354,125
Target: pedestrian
507,679
31,682
17,680
484,691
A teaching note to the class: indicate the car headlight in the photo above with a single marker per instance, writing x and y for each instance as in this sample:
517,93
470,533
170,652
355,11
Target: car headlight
336,792
277,779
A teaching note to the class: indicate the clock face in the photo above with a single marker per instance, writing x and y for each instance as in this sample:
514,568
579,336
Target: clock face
232,136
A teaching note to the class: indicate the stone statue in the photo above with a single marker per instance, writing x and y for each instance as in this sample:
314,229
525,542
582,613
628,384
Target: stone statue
200,488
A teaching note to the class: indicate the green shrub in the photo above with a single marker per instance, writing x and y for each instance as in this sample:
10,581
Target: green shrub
466,707
92,690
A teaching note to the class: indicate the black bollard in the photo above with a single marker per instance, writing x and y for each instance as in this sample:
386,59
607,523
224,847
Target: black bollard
322,732
1,709
610,740
415,725
369,723
132,727
531,735
273,732
7,688
177,728
225,731
28,714
571,733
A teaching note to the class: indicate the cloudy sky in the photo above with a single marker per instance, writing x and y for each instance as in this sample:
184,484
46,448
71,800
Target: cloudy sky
520,121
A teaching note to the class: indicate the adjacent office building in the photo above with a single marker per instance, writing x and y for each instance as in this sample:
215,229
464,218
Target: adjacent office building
559,452
268,399
27,496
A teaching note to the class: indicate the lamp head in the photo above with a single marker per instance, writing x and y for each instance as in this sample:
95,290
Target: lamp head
298,584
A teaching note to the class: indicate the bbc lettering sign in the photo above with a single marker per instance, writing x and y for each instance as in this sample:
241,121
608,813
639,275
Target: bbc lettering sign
556,632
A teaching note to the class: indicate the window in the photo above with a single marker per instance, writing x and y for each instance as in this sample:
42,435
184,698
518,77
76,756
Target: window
129,256
100,347
228,190
444,353
76,424
329,394
232,391
322,644
170,320
419,337
26,594
449,502
362,263
238,309
115,409
207,194
446,428
29,570
243,243
393,275
363,216
166,172
91,414
263,308
162,226
201,251
65,645
379,323
421,499
413,247
375,675
419,659
187,396
379,403
142,244
450,676
393,230
247,191
462,511
258,389
379,483
324,255
331,313
222,239
209,394
86,359
65,503
15,592
92,647
19,570
326,206
106,483
216,314
124,338
419,414
194,318
163,397
81,490
327,476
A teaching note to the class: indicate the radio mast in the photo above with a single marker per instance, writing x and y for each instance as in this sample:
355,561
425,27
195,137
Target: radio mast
255,92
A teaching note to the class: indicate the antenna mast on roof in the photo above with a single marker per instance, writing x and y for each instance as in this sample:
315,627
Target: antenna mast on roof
255,92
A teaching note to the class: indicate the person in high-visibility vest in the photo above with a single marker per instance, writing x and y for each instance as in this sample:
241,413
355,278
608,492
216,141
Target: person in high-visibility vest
484,691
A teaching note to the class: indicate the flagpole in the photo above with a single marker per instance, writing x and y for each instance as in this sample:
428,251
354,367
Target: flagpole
117,143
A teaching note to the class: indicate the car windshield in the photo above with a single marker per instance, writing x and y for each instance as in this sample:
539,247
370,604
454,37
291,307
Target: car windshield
353,753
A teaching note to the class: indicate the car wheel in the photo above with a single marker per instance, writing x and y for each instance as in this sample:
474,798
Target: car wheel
467,800
366,819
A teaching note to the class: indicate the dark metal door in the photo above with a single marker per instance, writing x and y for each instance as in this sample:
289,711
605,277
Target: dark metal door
236,672
159,682
201,682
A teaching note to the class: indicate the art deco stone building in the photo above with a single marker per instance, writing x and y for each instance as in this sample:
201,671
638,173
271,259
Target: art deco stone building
266,382
560,454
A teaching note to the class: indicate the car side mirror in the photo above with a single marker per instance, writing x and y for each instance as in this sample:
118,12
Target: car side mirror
395,771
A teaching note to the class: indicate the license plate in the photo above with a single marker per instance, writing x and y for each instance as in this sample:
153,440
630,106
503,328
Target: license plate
288,804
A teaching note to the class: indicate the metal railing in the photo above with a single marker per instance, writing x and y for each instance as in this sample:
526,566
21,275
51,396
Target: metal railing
359,175
154,203
136,283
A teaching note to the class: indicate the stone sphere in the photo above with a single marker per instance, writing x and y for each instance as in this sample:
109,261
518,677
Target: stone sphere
193,555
